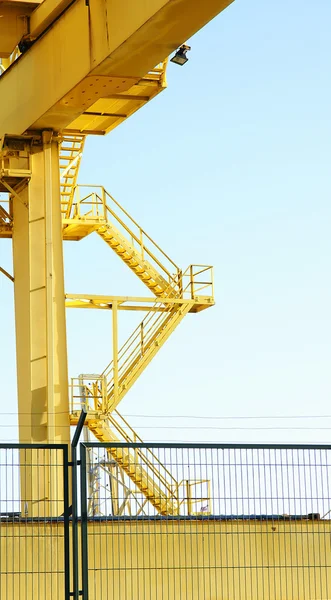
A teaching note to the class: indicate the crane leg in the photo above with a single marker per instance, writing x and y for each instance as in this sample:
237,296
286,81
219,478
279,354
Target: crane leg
40,327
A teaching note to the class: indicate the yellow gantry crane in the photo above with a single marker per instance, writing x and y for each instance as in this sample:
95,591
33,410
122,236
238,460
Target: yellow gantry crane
72,68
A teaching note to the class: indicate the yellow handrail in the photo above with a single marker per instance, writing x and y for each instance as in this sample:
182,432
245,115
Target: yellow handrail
145,335
129,352
194,285
144,457
95,199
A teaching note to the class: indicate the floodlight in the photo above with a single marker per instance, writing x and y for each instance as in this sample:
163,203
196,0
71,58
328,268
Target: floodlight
180,57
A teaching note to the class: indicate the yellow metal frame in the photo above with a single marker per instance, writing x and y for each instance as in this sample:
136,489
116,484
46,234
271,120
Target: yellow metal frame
84,54
137,303
93,67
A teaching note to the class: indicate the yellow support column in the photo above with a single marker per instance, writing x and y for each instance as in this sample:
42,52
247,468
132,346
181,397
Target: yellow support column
115,350
40,327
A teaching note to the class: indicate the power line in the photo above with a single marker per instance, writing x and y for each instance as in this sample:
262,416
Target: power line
180,441
227,417
186,428
202,417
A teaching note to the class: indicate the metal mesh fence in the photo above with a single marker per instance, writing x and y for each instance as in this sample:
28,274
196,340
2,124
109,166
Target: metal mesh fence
34,538
164,522
206,522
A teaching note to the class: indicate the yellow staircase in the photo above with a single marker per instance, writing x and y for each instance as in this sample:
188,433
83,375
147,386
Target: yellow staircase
94,209
70,154
141,465
131,360
175,293
155,282
140,348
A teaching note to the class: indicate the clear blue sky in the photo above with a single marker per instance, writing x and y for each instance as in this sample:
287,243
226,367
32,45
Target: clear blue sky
229,166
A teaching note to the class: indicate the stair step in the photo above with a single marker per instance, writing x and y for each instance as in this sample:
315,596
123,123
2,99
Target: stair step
70,151
146,272
137,473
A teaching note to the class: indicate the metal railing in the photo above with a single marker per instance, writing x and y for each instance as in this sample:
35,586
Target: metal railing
132,352
198,281
96,204
99,207
89,392
136,346
97,393
262,528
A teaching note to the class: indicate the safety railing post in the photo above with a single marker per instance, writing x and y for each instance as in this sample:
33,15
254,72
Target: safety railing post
115,351
82,394
95,207
180,282
77,203
192,282
84,546
103,198
141,243
104,392
142,338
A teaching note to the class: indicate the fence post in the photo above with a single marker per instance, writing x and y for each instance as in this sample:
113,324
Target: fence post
76,592
83,493
66,523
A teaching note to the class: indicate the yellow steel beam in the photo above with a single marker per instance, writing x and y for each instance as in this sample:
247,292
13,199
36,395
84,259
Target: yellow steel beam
133,303
92,53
